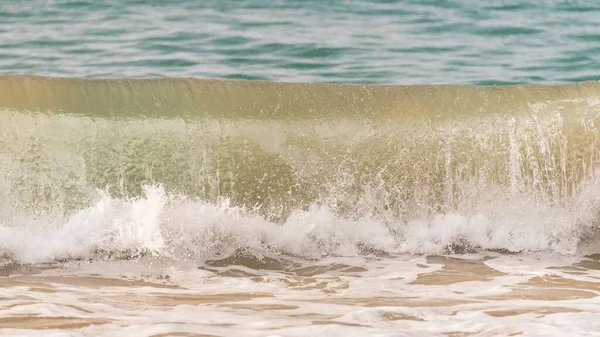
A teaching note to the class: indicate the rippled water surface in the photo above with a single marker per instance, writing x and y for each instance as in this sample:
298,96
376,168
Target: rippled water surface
468,41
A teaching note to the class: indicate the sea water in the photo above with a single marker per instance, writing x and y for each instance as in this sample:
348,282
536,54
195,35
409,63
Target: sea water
297,168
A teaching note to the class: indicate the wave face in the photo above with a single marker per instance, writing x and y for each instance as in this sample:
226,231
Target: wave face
193,167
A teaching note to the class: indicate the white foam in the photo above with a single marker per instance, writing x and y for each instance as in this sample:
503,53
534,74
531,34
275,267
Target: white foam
174,226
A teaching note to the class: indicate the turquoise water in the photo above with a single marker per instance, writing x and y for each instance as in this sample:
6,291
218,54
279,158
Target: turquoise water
357,41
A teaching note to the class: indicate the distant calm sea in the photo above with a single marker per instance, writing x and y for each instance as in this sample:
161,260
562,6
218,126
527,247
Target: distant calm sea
299,168
454,41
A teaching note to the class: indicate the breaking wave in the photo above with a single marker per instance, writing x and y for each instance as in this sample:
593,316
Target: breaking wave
189,168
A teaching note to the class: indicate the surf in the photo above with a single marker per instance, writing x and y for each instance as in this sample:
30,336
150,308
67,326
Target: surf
500,167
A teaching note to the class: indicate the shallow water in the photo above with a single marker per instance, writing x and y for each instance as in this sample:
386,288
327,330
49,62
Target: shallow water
486,294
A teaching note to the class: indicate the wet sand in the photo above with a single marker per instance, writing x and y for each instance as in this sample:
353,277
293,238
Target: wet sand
461,295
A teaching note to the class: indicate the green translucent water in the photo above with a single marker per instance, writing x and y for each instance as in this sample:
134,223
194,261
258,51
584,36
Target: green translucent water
359,41
398,151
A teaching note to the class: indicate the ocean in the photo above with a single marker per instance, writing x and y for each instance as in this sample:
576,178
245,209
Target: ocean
299,168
